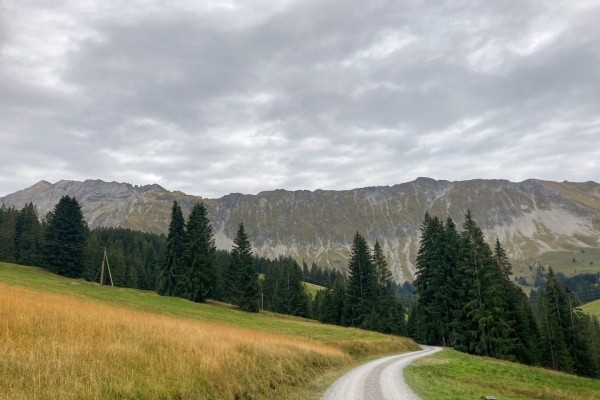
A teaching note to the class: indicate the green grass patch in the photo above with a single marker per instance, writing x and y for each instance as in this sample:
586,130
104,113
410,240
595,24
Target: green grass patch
357,342
562,261
592,308
451,375
312,288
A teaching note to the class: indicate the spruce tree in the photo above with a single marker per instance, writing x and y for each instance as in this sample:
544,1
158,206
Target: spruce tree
524,333
199,253
247,289
427,282
170,268
27,236
65,239
389,316
362,285
554,311
489,331
8,221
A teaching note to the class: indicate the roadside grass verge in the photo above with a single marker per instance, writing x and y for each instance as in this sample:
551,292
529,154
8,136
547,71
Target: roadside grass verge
70,339
451,375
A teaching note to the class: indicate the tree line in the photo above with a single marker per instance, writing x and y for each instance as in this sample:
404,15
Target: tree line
62,243
467,300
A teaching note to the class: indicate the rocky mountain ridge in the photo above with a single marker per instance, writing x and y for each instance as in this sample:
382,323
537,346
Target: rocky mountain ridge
529,217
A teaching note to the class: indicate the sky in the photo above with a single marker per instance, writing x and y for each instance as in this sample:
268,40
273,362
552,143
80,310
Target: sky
213,97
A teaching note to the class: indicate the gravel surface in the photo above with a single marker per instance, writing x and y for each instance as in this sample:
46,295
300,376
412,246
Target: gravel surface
378,380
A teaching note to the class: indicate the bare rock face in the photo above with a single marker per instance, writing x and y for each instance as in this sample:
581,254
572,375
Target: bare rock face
529,217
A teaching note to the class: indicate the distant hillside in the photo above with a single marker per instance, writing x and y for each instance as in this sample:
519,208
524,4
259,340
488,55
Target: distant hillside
531,218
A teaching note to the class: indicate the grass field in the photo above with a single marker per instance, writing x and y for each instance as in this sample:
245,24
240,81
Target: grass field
62,338
592,308
312,288
451,375
562,261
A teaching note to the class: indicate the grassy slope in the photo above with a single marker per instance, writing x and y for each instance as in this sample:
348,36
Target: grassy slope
309,369
41,280
312,288
451,375
592,308
562,261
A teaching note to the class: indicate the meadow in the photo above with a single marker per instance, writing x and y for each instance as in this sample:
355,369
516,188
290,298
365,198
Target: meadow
592,308
451,375
71,339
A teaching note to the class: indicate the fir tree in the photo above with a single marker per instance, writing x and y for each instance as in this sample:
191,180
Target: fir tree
65,239
554,310
27,236
200,250
429,287
489,330
8,221
524,332
389,316
170,269
247,289
362,285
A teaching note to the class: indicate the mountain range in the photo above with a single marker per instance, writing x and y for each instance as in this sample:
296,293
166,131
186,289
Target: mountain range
530,218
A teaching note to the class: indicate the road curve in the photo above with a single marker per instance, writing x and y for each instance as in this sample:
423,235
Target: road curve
378,380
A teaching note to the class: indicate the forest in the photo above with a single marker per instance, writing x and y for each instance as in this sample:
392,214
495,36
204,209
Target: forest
468,301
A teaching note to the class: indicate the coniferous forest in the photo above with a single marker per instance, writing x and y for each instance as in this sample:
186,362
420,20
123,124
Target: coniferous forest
467,300
465,296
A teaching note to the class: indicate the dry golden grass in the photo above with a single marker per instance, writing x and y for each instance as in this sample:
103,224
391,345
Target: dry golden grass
60,347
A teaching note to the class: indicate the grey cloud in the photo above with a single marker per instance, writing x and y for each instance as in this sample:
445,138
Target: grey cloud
313,94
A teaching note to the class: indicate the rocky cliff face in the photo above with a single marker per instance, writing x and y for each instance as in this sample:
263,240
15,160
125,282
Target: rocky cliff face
530,217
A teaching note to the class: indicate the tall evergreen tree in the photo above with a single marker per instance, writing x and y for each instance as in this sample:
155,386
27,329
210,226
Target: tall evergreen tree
200,251
429,287
65,239
170,269
28,231
524,332
388,315
554,311
488,333
8,221
362,285
246,291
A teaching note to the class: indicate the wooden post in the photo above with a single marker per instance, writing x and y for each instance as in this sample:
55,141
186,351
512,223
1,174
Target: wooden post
108,265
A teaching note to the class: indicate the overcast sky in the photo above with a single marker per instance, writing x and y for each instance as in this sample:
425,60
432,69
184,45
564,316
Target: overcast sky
213,97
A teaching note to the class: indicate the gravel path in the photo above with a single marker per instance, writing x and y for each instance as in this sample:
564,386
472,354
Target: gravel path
378,380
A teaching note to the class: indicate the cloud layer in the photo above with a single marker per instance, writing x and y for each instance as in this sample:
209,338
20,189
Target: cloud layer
242,96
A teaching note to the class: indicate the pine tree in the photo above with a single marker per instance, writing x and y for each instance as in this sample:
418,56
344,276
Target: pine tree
524,333
361,285
170,269
389,316
27,236
65,239
334,309
8,221
489,331
554,312
427,282
247,289
199,252
270,285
